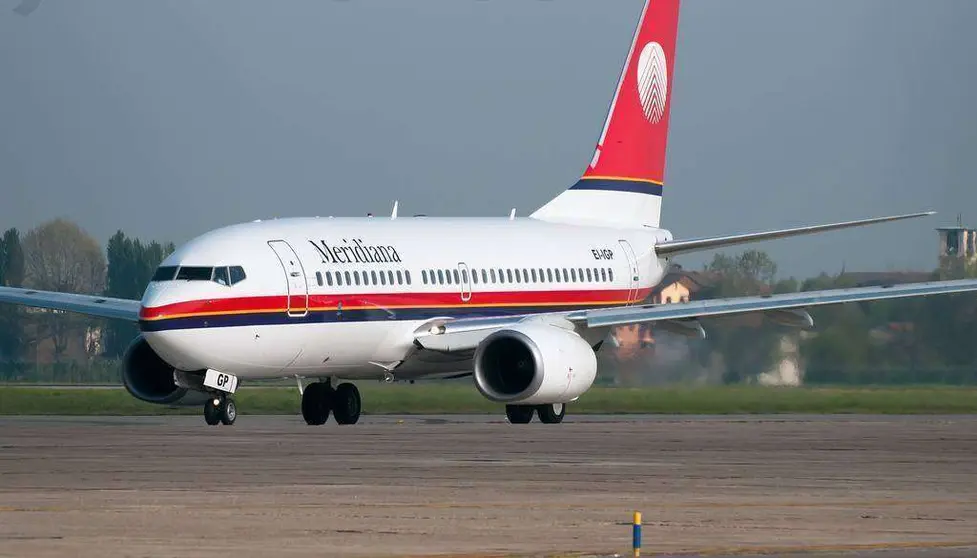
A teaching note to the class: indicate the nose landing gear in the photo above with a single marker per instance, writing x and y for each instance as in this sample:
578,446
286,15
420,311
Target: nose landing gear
220,410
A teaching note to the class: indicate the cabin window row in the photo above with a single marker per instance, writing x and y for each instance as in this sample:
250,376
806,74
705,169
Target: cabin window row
373,277
525,275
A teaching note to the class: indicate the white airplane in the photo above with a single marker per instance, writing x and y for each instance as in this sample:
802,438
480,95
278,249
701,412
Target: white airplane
521,304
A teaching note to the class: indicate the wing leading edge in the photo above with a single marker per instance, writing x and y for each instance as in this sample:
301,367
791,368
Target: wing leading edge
466,334
100,306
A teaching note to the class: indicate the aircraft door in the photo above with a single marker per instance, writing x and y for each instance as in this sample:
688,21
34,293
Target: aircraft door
466,281
633,274
298,287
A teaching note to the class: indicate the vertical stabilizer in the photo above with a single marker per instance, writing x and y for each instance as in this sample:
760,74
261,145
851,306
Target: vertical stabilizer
622,186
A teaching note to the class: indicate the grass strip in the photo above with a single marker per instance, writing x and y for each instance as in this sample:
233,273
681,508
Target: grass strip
462,398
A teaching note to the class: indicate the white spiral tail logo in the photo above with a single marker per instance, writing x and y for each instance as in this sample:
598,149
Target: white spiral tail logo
653,81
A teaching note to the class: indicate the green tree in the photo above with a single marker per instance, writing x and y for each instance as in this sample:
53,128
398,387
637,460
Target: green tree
131,265
747,345
60,256
11,275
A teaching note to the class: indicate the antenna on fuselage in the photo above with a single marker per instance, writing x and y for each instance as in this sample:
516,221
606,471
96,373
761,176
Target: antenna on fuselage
512,214
393,214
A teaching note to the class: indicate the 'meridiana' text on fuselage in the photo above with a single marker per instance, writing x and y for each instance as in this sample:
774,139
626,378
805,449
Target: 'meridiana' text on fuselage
357,252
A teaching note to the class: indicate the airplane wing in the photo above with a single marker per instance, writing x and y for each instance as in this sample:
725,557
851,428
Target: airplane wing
675,247
466,334
100,306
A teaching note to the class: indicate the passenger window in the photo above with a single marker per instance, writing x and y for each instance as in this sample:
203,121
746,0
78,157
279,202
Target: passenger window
329,278
407,276
525,275
580,274
165,273
383,278
493,275
400,277
390,276
339,279
549,275
590,278
573,275
508,275
373,278
441,277
454,273
356,277
464,275
484,277
424,276
475,276
610,274
318,277
190,273
348,282
220,276
557,275
534,275
566,276
501,276
603,275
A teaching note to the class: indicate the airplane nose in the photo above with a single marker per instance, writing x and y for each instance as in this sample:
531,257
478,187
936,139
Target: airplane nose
153,300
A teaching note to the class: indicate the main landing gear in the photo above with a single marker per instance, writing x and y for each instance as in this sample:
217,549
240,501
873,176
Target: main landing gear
319,399
220,409
551,413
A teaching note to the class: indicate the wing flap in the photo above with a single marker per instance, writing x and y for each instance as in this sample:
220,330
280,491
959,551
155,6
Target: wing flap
743,305
100,306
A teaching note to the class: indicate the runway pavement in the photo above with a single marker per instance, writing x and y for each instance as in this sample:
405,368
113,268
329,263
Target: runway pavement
476,486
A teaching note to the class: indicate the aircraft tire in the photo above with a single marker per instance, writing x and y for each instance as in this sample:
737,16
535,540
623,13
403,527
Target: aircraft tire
212,413
316,404
519,414
347,403
228,412
552,413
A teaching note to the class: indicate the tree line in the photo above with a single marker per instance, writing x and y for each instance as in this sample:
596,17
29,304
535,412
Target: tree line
927,340
60,256
916,340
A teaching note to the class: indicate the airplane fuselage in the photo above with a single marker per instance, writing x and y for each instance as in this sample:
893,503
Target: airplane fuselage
344,296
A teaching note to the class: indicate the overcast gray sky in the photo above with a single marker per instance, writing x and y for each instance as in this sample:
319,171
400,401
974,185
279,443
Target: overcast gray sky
166,118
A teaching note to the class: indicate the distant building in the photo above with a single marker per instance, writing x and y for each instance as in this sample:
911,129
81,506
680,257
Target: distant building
958,242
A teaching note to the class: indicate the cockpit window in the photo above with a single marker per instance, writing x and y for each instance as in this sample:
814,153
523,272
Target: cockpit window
224,275
237,274
220,276
166,273
193,273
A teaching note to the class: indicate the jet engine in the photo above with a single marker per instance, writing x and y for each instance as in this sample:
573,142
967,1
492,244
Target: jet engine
534,363
149,378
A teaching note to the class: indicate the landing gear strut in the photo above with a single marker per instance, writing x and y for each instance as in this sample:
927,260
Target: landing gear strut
319,399
220,410
551,413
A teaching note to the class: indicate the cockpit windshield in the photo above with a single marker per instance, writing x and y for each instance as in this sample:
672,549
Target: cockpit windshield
224,275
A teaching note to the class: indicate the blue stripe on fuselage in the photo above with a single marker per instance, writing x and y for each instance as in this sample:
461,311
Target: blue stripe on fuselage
337,316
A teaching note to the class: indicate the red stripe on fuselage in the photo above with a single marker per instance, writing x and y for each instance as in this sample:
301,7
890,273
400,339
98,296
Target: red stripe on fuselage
242,305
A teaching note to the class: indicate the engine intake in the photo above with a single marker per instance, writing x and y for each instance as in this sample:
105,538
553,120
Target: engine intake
147,377
534,363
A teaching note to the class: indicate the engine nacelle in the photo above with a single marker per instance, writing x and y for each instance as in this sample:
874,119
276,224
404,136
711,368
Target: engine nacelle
149,378
534,363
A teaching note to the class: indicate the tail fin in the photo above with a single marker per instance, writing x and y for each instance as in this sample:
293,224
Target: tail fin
623,184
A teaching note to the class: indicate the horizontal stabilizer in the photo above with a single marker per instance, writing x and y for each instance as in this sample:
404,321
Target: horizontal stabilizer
683,246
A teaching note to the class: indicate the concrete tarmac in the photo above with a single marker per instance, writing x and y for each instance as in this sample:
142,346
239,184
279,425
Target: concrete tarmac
890,487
